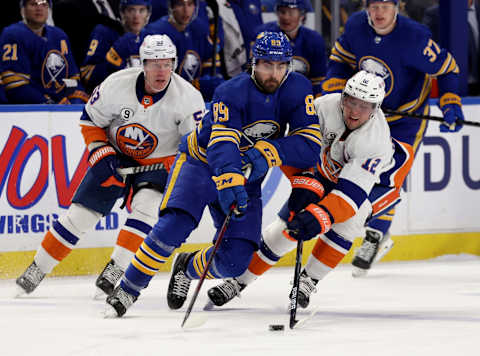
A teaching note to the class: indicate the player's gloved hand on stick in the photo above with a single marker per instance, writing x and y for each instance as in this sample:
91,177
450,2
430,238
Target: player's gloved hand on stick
309,223
103,162
261,157
452,113
230,184
306,189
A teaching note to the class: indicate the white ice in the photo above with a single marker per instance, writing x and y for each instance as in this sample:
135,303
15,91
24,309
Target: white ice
404,308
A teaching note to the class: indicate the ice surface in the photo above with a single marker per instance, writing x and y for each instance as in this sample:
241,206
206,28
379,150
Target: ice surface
409,308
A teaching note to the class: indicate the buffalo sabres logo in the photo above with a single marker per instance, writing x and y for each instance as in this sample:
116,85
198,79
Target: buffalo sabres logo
300,65
259,130
54,69
136,141
190,66
377,66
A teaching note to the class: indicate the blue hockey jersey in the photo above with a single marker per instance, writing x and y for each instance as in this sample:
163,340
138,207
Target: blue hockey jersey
94,68
309,55
406,58
33,67
242,115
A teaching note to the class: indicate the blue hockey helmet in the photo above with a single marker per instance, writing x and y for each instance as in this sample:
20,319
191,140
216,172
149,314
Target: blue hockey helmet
273,46
125,3
302,5
370,1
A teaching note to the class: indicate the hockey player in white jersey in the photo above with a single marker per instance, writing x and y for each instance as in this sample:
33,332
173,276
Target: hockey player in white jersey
356,178
136,117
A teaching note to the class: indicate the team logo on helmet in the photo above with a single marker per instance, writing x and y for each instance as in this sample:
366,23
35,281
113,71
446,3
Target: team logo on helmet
190,66
54,69
378,67
136,141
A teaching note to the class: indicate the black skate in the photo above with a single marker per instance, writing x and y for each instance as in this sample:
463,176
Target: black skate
179,282
119,302
109,277
30,279
306,287
365,255
225,292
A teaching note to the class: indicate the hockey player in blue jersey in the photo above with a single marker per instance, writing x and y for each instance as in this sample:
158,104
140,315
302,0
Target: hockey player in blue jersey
247,125
134,16
37,65
402,52
309,55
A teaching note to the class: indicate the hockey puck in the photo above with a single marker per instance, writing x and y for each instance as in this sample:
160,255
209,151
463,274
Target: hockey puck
276,327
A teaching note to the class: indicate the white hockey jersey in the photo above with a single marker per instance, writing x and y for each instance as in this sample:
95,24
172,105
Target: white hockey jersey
144,130
354,161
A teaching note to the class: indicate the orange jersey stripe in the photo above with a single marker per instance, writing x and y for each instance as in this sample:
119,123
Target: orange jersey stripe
402,172
327,254
54,247
258,266
338,207
167,161
93,133
129,240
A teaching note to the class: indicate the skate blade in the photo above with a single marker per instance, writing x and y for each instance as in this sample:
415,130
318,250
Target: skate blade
99,294
19,292
109,312
358,272
383,249
195,321
209,306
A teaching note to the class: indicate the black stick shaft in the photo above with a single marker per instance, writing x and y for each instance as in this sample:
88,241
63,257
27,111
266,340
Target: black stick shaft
209,262
296,283
426,117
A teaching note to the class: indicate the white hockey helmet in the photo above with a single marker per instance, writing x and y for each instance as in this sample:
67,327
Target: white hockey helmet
366,87
158,47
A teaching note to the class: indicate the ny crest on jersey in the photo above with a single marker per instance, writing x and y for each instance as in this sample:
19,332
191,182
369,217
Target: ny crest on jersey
377,66
300,65
54,69
260,130
190,65
136,141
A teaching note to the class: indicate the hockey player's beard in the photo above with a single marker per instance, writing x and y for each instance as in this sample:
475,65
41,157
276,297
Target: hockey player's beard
270,85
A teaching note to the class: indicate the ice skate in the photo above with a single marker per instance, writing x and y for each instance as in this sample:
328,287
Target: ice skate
306,287
107,280
29,280
365,255
179,282
225,292
118,303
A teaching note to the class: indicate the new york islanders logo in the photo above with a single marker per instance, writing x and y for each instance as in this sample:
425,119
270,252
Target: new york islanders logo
54,69
136,141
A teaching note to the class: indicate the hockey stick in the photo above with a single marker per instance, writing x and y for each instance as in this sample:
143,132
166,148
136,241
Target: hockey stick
214,7
427,117
296,283
194,322
140,169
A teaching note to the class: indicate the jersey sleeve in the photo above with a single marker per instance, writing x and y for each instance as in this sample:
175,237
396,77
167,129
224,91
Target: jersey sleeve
97,115
301,147
193,115
226,132
16,71
430,58
341,65
357,177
